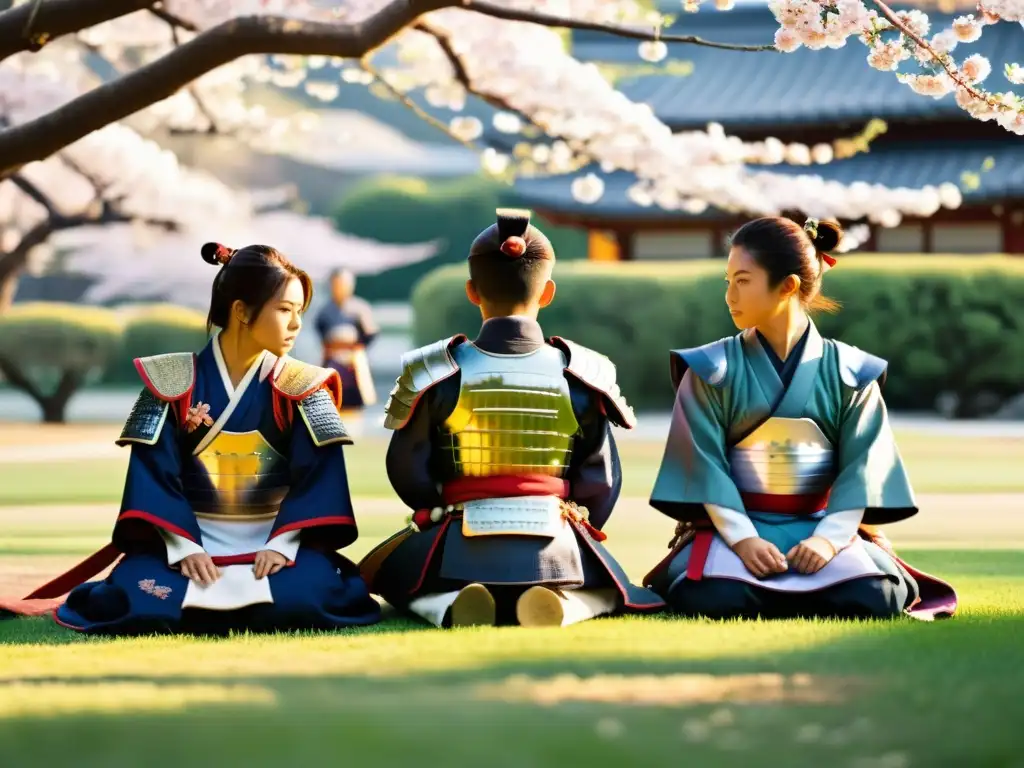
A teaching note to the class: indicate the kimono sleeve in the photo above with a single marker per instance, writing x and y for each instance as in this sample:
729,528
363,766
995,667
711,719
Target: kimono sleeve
153,495
695,468
871,474
595,472
319,502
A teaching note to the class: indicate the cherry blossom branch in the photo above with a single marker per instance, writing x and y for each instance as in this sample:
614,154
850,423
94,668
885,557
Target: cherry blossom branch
619,30
175,22
55,18
414,107
31,190
461,75
112,101
953,73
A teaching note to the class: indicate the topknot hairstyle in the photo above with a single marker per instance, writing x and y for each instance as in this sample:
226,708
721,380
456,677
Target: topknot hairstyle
783,248
252,275
511,260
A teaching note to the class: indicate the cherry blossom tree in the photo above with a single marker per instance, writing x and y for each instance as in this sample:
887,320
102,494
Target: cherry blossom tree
187,63
167,267
134,211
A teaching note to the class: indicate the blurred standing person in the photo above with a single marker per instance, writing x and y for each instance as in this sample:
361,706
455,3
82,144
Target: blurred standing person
346,328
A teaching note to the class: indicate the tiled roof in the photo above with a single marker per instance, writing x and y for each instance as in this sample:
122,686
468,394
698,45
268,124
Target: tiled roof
764,89
895,165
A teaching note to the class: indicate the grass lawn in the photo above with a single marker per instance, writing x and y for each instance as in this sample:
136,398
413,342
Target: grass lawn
629,692
637,692
938,464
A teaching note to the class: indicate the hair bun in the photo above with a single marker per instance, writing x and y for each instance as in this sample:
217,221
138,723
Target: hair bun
215,253
514,247
826,234
512,222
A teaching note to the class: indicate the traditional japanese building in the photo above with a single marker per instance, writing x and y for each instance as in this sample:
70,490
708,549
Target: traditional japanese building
807,97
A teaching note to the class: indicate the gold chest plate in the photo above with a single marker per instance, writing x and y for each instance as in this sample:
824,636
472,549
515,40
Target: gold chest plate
784,457
514,415
245,477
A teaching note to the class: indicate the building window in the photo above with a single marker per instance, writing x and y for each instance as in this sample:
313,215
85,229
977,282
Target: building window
967,238
698,244
908,238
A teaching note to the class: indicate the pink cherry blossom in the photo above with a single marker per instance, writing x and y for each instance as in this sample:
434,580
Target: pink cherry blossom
967,28
976,68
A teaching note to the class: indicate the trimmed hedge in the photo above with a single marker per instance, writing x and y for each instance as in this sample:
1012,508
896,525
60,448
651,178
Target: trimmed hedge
946,324
155,330
48,337
398,209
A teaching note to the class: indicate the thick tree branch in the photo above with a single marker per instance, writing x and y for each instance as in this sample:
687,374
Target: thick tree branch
55,18
619,30
40,138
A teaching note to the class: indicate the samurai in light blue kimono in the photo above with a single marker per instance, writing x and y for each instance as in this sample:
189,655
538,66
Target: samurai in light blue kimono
236,498
780,458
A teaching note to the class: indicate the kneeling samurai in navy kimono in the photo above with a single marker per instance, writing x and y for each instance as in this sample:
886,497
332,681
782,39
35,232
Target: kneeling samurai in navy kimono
264,470
236,498
503,447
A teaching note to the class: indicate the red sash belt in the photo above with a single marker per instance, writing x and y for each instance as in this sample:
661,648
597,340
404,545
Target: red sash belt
502,487
779,504
466,489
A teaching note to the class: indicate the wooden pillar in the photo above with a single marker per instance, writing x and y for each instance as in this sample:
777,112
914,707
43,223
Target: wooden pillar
871,244
1013,231
625,240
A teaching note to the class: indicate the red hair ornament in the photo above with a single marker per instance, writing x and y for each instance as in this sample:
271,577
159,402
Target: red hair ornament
514,246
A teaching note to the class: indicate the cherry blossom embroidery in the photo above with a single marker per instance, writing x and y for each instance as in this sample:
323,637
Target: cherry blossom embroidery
150,587
198,415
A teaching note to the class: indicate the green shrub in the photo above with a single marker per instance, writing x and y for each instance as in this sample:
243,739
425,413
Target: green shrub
154,330
411,210
49,335
50,350
946,324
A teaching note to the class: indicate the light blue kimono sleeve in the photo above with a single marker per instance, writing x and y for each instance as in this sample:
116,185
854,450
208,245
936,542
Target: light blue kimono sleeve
871,473
695,468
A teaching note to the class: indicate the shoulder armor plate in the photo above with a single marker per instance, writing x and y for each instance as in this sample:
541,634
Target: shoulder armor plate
421,369
145,421
321,417
170,377
598,373
297,380
709,362
857,368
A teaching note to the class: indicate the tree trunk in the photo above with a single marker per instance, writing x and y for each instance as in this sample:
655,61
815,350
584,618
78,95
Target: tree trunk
52,405
56,404
53,409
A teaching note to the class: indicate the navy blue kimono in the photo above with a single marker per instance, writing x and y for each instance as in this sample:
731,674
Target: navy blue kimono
345,332
230,472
